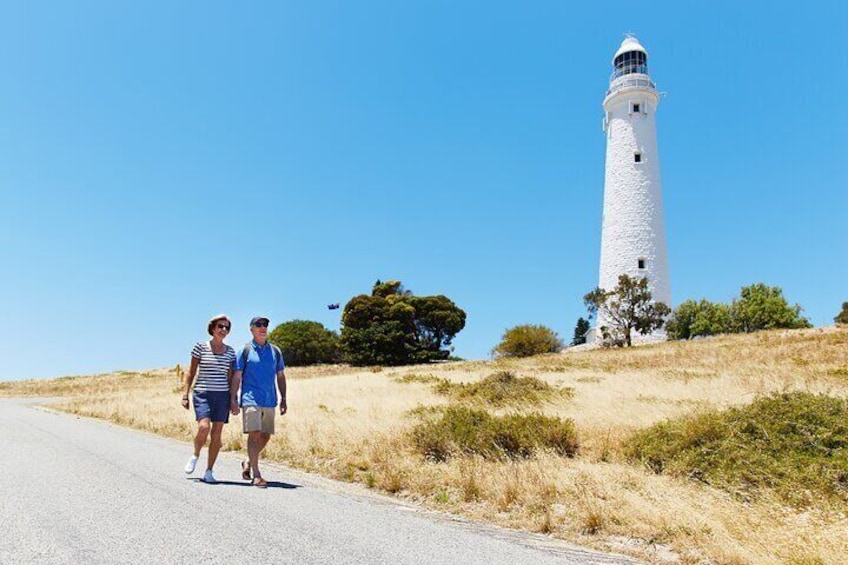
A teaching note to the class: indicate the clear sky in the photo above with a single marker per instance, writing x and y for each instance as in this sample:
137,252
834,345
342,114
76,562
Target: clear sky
161,162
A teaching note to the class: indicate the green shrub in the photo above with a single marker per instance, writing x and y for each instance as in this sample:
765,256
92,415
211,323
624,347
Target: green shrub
462,430
526,340
758,307
304,342
795,444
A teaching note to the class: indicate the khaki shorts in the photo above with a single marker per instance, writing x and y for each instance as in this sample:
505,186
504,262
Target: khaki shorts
258,419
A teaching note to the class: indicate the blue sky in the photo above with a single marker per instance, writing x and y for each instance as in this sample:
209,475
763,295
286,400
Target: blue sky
164,161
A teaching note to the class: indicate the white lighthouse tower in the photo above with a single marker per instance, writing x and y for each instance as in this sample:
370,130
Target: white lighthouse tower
633,237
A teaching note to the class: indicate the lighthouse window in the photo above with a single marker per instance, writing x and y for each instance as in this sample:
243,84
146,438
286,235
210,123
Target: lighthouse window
641,263
637,157
636,109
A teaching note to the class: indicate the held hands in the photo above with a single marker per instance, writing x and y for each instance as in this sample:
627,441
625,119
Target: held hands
184,401
234,407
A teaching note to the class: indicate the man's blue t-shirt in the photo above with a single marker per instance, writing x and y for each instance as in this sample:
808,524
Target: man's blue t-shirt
259,375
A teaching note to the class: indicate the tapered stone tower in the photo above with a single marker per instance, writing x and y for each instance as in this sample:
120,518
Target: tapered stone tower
633,237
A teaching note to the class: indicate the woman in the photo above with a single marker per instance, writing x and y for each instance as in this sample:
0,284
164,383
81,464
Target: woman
211,398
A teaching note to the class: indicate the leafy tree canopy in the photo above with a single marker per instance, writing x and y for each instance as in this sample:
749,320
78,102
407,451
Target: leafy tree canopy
526,340
761,307
391,326
842,317
627,308
304,342
693,319
580,330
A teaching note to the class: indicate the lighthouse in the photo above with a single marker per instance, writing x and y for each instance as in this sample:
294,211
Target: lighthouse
633,232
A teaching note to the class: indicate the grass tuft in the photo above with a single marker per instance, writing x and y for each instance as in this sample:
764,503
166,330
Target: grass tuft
501,389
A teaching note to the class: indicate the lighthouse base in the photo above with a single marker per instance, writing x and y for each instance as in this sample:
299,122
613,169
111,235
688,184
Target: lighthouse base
594,337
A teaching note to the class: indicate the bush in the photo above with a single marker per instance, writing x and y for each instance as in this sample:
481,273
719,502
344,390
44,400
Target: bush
759,307
306,343
795,444
526,340
462,430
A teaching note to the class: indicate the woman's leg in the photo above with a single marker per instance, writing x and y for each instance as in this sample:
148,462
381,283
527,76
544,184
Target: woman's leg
214,443
203,427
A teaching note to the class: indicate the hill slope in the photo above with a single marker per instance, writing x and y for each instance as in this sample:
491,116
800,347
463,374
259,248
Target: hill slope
358,424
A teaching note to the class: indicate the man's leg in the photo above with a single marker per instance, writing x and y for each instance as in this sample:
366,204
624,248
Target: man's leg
214,443
263,440
259,440
254,439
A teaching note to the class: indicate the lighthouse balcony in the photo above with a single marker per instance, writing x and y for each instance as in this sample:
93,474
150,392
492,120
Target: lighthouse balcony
630,81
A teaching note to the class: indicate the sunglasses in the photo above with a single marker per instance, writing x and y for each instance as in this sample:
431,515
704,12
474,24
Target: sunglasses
260,325
223,327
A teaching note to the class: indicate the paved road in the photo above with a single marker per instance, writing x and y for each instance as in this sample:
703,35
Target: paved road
74,490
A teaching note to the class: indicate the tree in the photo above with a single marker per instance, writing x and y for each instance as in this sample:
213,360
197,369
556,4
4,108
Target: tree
693,319
304,342
713,319
842,317
627,308
679,325
761,307
580,331
526,340
391,326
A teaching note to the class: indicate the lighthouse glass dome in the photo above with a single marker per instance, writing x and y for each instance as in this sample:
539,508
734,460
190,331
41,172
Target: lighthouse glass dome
629,63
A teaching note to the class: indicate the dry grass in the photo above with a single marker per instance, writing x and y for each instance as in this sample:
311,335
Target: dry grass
354,424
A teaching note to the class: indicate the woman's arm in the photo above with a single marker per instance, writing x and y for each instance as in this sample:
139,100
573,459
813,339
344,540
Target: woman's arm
189,380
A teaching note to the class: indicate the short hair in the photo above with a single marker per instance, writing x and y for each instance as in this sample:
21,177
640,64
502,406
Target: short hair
215,320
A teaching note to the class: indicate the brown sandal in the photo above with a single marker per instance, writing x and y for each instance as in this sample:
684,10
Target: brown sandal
245,470
260,482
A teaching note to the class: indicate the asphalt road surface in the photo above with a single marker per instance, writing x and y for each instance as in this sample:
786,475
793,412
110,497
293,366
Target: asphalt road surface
75,490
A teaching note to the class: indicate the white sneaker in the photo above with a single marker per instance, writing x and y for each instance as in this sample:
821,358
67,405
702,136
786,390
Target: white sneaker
208,477
192,463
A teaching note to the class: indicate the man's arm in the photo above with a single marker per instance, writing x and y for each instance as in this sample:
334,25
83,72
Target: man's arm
281,384
234,389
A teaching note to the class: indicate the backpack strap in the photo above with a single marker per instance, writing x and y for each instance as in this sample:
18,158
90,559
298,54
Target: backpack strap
245,353
277,356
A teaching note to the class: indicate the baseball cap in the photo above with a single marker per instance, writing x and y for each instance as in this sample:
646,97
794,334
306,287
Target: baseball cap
259,319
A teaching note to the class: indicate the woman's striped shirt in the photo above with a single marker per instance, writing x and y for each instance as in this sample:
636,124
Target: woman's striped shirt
213,372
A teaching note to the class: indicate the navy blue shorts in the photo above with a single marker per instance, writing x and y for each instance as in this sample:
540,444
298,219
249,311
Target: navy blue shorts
214,405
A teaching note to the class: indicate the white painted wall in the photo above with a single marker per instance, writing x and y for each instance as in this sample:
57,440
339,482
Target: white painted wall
633,226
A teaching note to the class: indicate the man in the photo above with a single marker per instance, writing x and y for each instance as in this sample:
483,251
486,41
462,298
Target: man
259,371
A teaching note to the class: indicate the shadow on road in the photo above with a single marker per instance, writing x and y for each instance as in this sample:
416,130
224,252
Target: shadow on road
271,484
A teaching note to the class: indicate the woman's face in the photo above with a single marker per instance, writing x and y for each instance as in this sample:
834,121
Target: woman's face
221,328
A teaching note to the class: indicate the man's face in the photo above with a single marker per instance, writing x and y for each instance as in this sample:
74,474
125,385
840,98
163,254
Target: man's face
259,331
